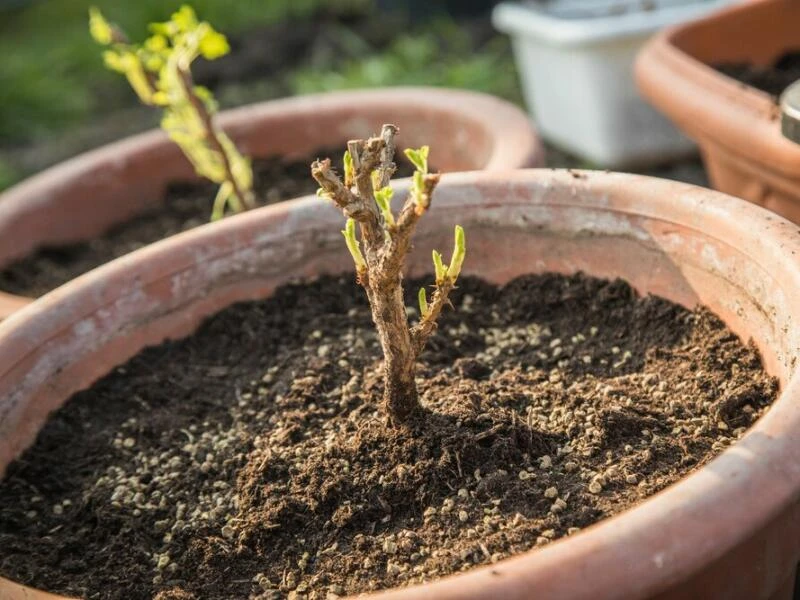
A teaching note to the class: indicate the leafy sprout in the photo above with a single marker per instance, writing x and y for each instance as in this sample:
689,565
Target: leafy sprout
159,71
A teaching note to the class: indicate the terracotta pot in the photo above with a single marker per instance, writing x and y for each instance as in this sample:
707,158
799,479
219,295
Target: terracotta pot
85,196
730,531
736,126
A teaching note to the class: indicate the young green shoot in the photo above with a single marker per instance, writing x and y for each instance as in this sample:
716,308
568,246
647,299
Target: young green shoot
159,71
364,196
349,233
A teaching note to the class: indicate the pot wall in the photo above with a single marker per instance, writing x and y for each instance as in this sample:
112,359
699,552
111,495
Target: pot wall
737,127
85,196
730,531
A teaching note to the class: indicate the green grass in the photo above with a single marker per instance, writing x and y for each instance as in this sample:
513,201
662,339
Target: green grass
8,175
439,56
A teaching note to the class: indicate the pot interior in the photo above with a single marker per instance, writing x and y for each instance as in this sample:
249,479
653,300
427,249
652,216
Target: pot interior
757,33
86,196
687,244
678,245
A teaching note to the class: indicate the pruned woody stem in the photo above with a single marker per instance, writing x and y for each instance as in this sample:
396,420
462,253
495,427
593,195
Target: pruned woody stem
364,196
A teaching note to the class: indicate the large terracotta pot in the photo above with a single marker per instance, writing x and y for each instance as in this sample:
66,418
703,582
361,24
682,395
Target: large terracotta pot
736,126
85,196
729,531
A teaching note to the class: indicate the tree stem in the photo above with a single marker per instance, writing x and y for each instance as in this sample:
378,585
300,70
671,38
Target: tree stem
384,249
211,136
389,314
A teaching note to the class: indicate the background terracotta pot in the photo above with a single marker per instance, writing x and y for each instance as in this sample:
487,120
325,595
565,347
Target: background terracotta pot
730,531
85,196
736,126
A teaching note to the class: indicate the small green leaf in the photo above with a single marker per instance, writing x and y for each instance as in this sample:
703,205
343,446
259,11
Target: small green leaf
419,158
413,156
423,303
153,63
349,169
166,29
213,45
185,19
424,151
113,61
439,269
156,43
100,29
459,251
383,198
419,182
131,65
418,190
224,194
349,233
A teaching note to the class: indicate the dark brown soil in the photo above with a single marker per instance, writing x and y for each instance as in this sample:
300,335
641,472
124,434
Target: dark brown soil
250,460
186,205
772,79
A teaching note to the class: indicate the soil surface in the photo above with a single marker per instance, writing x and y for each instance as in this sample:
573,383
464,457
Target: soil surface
185,206
251,459
772,79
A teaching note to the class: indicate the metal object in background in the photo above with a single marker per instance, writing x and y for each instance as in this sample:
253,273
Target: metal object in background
790,112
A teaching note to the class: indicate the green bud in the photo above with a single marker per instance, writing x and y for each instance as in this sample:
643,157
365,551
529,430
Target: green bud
349,233
99,28
349,169
113,61
213,44
418,190
224,194
383,198
459,251
156,43
419,158
185,19
423,303
439,269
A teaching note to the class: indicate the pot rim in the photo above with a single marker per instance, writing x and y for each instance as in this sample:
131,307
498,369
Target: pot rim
489,112
713,107
514,142
760,471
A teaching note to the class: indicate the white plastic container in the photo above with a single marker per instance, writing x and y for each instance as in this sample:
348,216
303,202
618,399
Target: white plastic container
575,58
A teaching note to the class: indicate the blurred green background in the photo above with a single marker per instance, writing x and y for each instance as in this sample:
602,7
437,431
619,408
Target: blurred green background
57,99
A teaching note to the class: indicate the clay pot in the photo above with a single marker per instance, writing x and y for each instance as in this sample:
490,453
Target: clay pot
731,530
85,196
736,126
